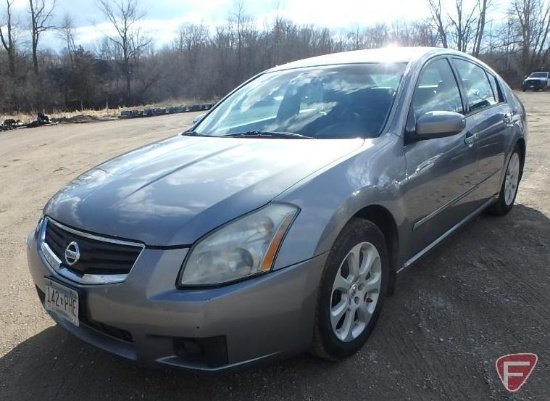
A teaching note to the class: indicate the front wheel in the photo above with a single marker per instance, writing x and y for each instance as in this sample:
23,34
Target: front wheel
352,290
509,189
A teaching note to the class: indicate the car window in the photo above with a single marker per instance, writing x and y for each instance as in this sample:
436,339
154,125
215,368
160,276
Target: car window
436,90
479,90
539,75
496,88
342,101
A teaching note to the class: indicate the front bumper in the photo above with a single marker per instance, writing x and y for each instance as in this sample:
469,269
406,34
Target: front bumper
534,84
147,319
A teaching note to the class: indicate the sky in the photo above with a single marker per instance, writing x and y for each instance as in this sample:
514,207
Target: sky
164,17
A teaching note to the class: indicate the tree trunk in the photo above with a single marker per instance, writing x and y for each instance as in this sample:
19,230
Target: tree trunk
480,27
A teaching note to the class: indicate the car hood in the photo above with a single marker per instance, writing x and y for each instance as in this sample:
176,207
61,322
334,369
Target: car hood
172,192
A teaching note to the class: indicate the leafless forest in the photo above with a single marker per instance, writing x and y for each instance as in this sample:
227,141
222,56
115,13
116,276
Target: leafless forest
205,62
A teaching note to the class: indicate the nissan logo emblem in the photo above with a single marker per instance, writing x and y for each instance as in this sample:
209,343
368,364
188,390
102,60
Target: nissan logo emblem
72,253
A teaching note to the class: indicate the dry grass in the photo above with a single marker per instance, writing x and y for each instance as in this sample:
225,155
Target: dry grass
100,114
103,114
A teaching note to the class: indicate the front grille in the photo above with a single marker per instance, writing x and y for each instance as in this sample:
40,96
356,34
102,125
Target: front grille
96,256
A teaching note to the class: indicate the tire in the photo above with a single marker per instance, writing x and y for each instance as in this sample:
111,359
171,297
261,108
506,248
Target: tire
510,184
347,310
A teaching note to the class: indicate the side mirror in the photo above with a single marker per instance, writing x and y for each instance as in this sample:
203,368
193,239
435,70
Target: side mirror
198,118
438,124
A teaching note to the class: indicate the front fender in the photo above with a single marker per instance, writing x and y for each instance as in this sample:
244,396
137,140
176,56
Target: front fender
328,200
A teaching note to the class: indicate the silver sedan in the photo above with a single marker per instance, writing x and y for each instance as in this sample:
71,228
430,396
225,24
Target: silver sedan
279,222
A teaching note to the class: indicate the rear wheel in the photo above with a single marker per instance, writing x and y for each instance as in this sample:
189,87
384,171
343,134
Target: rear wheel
509,189
352,291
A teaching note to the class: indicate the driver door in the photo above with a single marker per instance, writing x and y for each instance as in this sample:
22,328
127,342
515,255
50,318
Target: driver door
441,172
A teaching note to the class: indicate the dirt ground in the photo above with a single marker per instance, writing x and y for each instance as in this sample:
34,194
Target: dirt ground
482,294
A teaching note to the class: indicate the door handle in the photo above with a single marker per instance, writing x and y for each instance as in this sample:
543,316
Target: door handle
507,118
470,139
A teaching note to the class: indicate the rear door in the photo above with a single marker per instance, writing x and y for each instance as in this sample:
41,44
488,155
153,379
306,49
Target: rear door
493,118
440,172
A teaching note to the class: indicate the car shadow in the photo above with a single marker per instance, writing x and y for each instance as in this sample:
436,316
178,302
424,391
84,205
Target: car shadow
480,295
56,365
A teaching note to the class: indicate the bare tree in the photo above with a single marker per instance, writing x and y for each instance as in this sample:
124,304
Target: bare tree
242,29
67,34
436,10
192,37
376,36
7,36
483,6
461,25
531,20
416,33
41,12
191,44
124,15
355,38
281,43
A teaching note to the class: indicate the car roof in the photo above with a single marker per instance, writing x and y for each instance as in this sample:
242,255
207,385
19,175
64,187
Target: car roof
387,55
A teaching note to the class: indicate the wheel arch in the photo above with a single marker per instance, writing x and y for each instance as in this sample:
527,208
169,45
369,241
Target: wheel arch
385,221
522,147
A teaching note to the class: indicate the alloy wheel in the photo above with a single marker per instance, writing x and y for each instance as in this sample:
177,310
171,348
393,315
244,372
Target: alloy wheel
355,291
512,179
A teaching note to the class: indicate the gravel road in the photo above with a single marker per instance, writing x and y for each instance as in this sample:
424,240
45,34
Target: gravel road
482,294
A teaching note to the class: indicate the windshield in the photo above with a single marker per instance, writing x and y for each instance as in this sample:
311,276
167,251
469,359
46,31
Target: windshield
343,101
538,75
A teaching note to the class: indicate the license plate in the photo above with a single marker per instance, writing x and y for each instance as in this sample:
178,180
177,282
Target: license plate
62,300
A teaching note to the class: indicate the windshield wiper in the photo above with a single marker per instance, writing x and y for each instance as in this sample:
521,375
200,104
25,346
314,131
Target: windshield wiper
269,134
192,133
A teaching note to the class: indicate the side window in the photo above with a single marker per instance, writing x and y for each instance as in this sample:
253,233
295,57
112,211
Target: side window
496,88
436,90
479,90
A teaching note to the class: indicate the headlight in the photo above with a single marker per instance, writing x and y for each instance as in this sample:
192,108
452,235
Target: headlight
243,248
